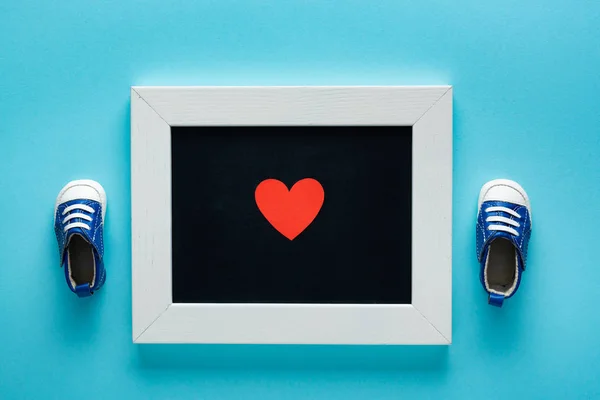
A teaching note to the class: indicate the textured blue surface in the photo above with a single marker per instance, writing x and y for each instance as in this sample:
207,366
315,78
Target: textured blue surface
526,108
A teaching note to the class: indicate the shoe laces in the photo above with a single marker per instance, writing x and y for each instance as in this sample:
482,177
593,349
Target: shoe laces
508,222
80,214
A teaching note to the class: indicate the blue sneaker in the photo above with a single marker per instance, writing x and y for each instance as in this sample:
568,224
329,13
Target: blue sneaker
78,224
503,232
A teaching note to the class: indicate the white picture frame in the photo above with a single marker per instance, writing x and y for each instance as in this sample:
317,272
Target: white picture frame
156,319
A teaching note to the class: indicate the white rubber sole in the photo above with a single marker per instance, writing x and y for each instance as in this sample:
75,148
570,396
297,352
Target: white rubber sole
504,182
87,182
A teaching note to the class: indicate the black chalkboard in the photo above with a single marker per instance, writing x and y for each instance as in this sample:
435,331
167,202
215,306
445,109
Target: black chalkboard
356,251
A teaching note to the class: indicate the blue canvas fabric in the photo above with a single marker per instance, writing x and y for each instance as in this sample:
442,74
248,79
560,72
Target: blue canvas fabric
94,236
485,237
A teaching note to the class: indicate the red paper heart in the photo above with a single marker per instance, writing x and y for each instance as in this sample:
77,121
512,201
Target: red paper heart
289,211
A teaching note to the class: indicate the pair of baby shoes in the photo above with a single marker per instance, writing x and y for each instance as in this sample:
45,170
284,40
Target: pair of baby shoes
79,223
503,232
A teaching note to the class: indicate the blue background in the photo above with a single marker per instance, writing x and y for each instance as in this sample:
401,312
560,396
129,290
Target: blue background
526,82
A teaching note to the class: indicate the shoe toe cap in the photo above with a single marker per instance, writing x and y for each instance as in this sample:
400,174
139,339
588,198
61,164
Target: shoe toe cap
505,192
80,192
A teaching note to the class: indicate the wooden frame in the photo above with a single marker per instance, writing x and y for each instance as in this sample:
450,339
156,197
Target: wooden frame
428,320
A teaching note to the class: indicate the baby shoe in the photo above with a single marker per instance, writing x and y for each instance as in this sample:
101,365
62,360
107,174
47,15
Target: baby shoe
78,224
503,232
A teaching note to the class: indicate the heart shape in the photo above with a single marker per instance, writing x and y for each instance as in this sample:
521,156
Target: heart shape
289,211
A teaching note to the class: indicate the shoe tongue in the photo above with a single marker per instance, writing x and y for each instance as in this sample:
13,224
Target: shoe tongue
502,235
77,231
